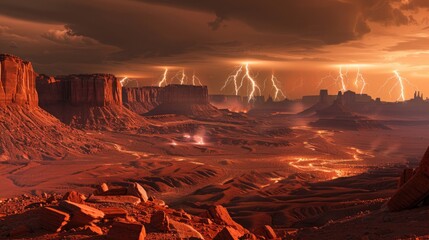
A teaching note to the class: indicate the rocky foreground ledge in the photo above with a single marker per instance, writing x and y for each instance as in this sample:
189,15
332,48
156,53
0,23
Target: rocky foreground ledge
117,213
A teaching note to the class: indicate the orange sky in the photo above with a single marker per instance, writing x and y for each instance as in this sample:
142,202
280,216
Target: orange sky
305,51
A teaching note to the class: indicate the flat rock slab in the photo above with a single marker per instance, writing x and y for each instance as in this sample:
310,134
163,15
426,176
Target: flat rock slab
137,190
81,214
113,212
129,231
52,219
125,199
228,233
184,231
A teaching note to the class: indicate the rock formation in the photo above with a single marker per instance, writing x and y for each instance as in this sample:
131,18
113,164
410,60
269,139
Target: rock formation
17,82
413,191
338,116
86,101
231,102
141,100
184,100
43,219
28,132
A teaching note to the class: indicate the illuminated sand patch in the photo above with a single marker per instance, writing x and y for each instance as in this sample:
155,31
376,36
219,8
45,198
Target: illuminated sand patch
336,167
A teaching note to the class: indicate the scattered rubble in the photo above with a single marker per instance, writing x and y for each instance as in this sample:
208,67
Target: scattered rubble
115,216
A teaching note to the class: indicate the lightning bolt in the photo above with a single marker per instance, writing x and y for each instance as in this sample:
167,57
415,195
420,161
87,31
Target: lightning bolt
195,79
360,78
124,81
164,78
278,91
183,77
244,71
342,79
401,84
233,78
253,84
338,79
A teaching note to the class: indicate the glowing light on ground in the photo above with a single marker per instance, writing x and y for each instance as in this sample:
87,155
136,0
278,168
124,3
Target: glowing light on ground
187,136
164,78
278,91
199,140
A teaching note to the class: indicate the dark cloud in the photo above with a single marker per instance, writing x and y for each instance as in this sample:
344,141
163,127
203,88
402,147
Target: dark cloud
415,43
330,21
162,28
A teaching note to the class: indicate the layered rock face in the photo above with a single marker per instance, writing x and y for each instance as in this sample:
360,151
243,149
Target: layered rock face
77,90
185,100
28,132
141,100
185,94
17,82
86,101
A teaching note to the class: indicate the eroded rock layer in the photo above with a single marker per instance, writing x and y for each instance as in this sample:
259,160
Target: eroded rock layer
141,100
28,132
87,101
185,100
17,82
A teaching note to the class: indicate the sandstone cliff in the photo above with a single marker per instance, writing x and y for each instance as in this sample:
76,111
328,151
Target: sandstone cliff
28,132
141,100
185,100
17,82
84,89
87,101
185,94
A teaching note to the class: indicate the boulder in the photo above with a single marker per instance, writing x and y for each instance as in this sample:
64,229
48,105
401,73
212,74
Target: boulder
52,219
137,190
228,233
113,192
19,231
73,196
114,212
92,230
267,232
184,231
129,231
102,188
81,214
160,221
220,215
124,199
